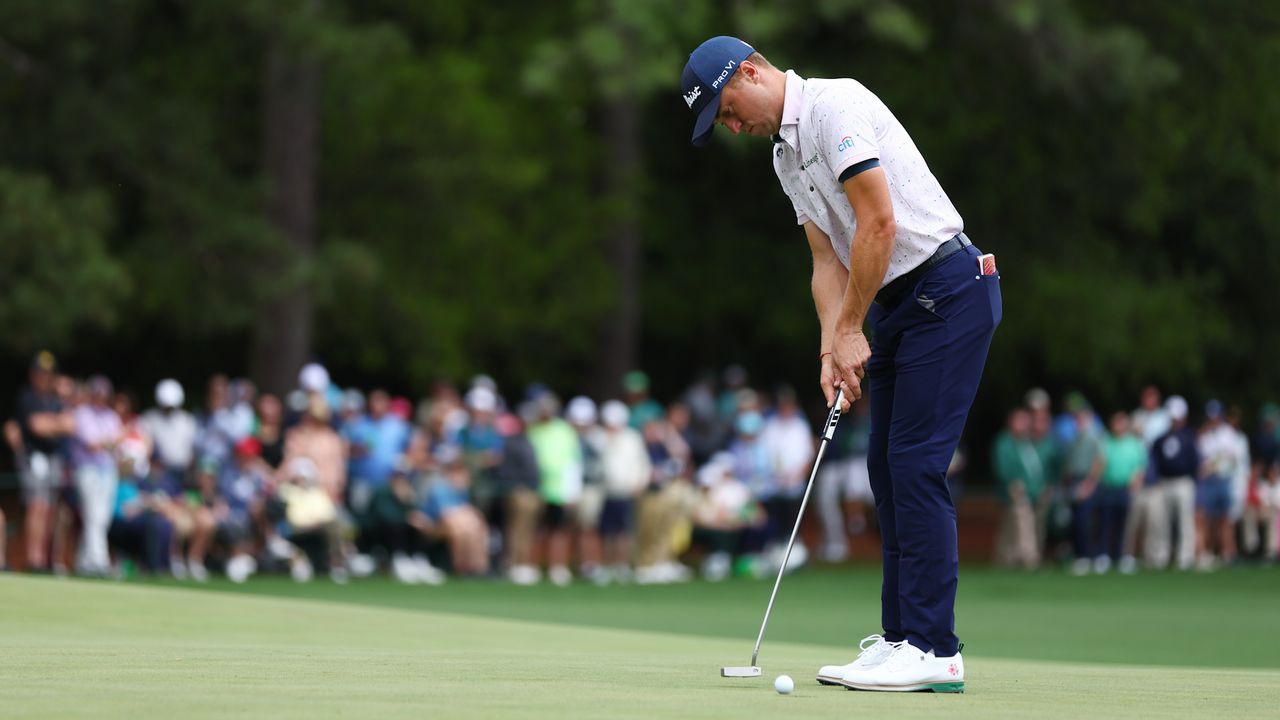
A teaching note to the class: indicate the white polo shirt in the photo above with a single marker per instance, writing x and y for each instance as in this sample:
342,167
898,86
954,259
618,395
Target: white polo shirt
831,125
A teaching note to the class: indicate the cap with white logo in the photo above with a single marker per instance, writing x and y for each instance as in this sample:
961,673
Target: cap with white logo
709,68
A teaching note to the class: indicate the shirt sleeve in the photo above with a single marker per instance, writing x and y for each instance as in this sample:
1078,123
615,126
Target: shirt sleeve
846,134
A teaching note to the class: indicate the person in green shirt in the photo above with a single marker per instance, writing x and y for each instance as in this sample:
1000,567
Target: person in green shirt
559,455
1021,474
644,409
1122,476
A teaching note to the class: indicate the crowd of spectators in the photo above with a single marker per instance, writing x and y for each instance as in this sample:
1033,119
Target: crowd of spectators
1156,487
466,482
472,482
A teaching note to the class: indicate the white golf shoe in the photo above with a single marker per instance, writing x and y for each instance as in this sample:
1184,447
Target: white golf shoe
908,669
872,651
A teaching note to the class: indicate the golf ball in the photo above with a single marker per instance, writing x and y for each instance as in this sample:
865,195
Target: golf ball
784,684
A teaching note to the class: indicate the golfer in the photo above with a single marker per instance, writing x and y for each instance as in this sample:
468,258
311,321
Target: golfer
890,255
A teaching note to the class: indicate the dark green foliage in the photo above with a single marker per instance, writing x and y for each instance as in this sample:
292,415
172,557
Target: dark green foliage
1120,161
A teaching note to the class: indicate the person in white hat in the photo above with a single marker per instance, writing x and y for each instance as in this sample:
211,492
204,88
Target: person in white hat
582,414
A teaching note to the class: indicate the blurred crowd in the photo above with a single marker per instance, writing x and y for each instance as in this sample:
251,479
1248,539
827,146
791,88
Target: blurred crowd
1157,487
471,481
466,482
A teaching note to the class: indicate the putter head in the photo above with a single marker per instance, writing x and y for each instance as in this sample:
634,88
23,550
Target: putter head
749,671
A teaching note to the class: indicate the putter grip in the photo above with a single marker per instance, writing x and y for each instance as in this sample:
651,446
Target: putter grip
834,416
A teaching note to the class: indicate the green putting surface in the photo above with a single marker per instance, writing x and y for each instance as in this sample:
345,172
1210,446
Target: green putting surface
97,649
1218,620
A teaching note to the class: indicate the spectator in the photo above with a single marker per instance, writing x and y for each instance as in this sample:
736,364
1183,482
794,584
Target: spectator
98,432
725,510
202,503
12,438
217,425
240,420
1123,477
1021,475
139,528
582,415
240,509
1177,462
704,433
1219,464
131,428
72,395
394,523
662,507
1150,421
173,434
559,456
750,456
270,432
844,491
482,447
1241,465
445,502
376,444
735,381
1260,531
1083,467
788,443
1055,512
626,471
41,423
520,478
644,408
315,439
314,381
311,517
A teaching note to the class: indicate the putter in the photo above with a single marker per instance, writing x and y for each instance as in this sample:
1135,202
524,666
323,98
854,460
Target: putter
753,670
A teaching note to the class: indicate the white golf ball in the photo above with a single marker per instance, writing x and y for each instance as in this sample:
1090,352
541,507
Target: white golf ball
784,684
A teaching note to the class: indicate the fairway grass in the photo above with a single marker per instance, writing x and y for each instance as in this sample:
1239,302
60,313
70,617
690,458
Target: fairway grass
95,649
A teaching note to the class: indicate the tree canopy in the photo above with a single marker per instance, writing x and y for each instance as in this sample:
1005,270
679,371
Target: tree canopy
477,163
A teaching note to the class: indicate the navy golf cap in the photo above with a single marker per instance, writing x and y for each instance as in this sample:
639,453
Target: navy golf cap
705,75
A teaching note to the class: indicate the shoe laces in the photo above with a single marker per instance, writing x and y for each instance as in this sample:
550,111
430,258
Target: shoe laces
901,657
872,644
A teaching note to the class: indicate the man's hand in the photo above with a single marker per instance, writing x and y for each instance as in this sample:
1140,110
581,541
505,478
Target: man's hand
828,380
849,353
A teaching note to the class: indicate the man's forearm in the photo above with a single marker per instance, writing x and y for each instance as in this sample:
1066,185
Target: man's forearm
868,263
829,282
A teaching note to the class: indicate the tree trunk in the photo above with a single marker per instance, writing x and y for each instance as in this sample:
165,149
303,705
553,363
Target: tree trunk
282,338
620,331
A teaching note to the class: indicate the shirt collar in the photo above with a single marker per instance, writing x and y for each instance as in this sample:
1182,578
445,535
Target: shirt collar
792,104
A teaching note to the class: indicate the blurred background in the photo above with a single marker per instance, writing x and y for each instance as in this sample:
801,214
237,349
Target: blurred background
413,194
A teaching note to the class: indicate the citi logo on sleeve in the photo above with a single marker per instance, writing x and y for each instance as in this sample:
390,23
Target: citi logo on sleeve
846,142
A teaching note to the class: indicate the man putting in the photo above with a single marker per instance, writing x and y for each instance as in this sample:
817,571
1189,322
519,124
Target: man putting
888,251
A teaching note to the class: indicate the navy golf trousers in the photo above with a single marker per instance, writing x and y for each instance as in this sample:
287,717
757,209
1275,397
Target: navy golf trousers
927,355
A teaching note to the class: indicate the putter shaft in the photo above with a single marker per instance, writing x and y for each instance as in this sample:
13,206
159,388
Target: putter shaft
832,418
